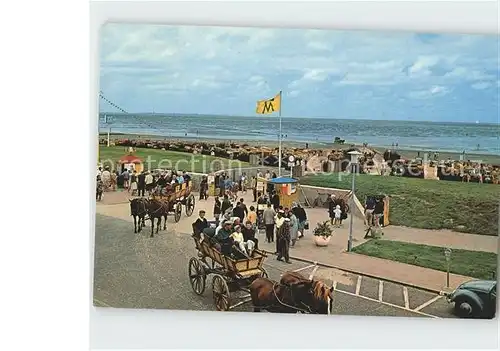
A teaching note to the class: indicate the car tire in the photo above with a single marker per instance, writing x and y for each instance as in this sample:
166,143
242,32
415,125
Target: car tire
467,308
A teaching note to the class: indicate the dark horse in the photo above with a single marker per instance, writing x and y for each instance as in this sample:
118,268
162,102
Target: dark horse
278,298
322,295
138,210
157,209
302,295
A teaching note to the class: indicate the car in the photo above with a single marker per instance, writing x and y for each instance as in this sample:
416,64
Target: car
475,299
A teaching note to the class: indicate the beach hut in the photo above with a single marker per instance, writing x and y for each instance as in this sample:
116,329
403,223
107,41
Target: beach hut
287,190
131,163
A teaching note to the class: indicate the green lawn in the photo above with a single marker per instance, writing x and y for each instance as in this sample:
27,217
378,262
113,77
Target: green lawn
424,203
475,264
155,158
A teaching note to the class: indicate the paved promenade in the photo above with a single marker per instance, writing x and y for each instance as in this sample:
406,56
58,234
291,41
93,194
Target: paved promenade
116,205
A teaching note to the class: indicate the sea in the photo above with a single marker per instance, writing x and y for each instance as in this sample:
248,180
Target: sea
477,138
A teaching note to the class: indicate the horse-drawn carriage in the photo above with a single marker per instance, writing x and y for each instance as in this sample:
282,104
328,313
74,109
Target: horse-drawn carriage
229,275
175,197
292,294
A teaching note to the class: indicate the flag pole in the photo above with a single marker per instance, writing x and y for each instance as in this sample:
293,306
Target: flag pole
280,137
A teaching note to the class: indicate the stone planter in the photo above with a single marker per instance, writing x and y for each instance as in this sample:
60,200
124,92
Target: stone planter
321,240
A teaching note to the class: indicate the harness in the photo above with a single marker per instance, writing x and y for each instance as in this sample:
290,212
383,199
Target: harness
162,206
289,306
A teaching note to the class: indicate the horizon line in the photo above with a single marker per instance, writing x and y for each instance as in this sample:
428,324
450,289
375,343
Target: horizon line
311,117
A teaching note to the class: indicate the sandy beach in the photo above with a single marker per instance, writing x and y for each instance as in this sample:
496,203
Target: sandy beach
407,153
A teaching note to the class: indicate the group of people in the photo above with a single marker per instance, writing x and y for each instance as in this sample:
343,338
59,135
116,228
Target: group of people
374,213
337,212
138,183
229,235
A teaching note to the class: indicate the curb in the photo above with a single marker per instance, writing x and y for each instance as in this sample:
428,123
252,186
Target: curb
434,291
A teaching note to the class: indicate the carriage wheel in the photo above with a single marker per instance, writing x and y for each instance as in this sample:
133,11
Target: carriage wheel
197,276
221,293
177,212
190,202
264,273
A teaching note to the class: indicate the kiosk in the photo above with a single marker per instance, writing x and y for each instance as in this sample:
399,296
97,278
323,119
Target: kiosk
287,190
131,163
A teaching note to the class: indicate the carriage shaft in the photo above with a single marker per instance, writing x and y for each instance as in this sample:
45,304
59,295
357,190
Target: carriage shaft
246,300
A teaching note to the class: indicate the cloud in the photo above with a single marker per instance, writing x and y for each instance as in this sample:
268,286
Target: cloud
481,85
434,91
141,65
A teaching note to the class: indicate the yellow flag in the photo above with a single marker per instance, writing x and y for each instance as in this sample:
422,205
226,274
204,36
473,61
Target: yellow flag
265,107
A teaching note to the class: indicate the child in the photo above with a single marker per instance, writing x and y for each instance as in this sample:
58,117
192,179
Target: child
252,216
239,240
338,213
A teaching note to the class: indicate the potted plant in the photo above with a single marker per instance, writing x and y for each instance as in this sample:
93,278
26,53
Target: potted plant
322,233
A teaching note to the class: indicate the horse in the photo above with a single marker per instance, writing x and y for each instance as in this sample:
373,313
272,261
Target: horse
280,298
157,209
138,210
322,295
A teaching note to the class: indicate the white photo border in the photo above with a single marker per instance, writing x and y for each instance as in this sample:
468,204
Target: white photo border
112,328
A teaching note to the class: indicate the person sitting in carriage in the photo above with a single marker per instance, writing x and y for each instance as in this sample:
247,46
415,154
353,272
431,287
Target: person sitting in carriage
245,247
161,183
248,232
223,238
200,224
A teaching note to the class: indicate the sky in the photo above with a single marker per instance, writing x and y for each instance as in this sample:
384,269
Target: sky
322,73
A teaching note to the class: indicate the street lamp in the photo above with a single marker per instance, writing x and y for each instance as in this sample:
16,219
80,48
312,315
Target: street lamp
354,168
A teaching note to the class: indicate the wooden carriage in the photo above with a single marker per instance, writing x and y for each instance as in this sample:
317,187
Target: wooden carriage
181,195
229,275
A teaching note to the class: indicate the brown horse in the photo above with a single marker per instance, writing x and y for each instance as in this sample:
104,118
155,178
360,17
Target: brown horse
138,210
279,298
322,295
157,209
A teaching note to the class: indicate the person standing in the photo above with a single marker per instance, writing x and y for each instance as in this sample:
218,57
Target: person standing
141,184
126,176
253,185
301,215
378,212
337,213
268,216
217,208
369,208
221,185
149,182
294,228
226,204
275,200
252,217
331,208
283,241
99,188
204,188
278,222
133,183
239,211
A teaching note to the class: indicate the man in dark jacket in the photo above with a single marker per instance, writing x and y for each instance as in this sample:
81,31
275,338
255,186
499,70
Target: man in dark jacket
301,215
239,211
200,223
226,204
275,200
141,183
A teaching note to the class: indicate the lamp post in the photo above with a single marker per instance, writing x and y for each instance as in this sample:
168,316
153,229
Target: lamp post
354,168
